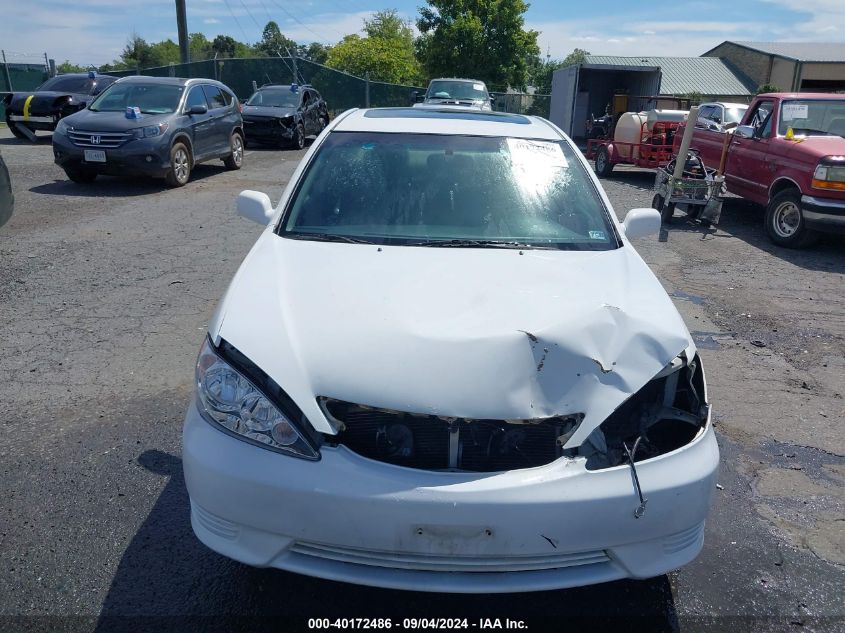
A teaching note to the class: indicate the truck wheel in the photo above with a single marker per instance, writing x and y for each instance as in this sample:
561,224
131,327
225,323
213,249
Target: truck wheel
236,158
180,166
80,175
785,221
603,164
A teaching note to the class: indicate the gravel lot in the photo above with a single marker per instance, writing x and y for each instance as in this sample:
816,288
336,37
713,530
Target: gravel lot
105,292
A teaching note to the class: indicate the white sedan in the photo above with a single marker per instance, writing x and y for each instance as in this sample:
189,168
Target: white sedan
444,367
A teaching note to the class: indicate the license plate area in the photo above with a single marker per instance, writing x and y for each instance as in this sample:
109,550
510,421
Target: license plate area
95,156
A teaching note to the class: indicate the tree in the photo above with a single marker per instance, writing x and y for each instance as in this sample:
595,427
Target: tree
766,88
199,47
136,53
483,39
314,52
541,72
164,53
387,52
273,43
224,46
68,67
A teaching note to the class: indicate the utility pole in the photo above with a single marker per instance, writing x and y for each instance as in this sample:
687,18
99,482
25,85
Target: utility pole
182,27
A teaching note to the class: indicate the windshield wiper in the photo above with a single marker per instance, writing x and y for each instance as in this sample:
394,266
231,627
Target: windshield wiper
328,237
810,130
466,243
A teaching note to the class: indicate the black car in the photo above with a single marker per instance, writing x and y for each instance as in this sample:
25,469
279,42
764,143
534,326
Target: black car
53,100
157,126
7,198
284,115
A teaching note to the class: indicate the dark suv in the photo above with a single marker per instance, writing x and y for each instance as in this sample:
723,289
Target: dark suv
57,97
284,114
158,126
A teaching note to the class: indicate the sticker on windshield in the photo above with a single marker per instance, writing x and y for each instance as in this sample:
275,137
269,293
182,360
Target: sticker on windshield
478,86
596,235
792,111
536,153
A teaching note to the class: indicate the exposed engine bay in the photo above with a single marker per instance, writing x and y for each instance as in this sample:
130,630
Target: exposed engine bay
667,413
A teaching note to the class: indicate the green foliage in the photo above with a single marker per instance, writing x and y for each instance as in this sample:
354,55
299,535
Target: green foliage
273,43
68,67
694,97
483,39
387,52
199,47
541,72
314,52
767,88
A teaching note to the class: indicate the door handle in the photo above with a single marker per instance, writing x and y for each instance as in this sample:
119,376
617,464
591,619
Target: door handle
736,143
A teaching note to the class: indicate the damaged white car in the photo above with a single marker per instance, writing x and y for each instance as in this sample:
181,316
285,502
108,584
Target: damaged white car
444,367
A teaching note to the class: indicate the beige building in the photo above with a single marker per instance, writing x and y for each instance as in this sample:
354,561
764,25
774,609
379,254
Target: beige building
791,66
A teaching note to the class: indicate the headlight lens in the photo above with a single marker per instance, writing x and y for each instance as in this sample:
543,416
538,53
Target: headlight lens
829,174
150,130
228,399
61,127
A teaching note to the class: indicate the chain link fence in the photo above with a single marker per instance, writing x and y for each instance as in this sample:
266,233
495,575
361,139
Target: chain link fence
19,74
340,90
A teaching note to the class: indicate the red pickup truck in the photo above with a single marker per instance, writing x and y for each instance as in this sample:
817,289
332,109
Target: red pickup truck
788,154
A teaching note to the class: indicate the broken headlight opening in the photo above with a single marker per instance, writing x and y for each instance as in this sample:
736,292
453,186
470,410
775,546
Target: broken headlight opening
431,442
666,414
234,395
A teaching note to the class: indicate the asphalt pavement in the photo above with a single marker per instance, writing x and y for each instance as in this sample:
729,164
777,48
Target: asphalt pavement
106,291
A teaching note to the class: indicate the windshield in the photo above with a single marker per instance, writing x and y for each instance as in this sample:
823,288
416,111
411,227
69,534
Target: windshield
457,90
150,98
813,117
438,190
77,85
734,115
275,98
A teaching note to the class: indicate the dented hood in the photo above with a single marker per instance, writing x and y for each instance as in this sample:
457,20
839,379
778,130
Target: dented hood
474,333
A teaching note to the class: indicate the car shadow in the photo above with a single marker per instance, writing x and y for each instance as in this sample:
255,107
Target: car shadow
42,139
167,580
121,186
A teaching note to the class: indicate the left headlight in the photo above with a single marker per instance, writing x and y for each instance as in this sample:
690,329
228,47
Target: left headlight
830,173
61,127
150,130
230,400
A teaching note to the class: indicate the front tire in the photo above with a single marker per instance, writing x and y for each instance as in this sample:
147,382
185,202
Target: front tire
180,166
785,222
298,140
603,164
236,158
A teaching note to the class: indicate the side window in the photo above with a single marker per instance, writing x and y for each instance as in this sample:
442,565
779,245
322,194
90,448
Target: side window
195,97
306,99
705,113
762,119
716,114
227,97
214,96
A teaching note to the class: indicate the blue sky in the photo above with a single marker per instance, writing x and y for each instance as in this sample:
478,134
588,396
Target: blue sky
95,31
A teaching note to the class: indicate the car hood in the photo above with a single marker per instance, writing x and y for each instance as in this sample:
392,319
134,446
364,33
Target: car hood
268,111
111,121
812,148
472,333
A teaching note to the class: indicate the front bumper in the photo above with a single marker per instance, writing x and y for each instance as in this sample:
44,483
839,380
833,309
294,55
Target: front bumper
149,157
352,519
267,130
33,122
824,214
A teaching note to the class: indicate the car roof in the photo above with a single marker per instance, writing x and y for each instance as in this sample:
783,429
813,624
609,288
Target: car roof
84,75
171,81
458,121
727,104
464,79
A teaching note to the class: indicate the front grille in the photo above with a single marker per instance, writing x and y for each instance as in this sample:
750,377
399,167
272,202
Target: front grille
448,563
437,443
98,140
262,123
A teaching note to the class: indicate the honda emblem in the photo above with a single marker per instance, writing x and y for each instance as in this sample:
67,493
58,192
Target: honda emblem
95,139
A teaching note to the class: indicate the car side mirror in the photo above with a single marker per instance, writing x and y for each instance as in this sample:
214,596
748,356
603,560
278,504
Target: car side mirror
729,126
197,109
744,131
255,206
419,97
641,222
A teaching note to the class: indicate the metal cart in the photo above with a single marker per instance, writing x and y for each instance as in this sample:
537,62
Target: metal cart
700,197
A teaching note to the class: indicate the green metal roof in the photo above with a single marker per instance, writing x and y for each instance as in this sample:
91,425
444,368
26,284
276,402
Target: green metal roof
682,75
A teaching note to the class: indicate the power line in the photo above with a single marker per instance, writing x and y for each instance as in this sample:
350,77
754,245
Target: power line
252,17
234,17
297,20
